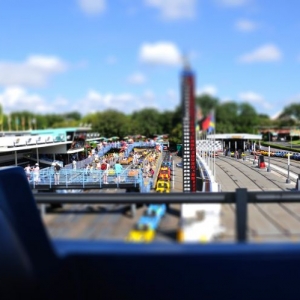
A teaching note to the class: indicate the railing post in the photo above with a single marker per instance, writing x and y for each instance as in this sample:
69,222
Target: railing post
43,210
50,178
269,168
133,210
82,175
288,174
241,198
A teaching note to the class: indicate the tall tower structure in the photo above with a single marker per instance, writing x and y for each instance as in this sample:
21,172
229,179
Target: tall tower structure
189,132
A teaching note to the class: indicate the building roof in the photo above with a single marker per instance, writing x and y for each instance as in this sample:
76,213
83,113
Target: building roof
235,136
55,130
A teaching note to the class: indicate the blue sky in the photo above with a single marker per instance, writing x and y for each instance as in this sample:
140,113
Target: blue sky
91,55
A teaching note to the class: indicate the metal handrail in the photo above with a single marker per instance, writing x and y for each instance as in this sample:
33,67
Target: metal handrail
241,197
82,177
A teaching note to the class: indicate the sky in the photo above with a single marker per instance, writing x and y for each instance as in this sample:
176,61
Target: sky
92,55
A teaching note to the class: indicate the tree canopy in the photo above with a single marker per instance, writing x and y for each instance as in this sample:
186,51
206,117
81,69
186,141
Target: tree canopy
230,117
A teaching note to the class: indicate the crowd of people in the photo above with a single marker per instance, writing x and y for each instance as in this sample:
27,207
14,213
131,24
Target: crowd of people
113,162
33,171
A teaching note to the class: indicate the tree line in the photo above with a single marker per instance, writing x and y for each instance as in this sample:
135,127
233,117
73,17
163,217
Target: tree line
230,117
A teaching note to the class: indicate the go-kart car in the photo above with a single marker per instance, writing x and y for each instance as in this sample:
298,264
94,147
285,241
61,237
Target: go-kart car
149,222
140,234
167,163
163,186
165,174
157,210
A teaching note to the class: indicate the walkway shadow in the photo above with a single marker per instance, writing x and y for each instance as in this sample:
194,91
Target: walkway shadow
89,209
173,211
170,234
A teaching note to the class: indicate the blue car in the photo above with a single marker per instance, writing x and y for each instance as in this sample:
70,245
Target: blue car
278,154
148,222
157,210
296,156
166,164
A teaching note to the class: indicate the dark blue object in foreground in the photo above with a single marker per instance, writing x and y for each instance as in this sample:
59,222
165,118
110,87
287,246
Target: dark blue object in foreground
34,267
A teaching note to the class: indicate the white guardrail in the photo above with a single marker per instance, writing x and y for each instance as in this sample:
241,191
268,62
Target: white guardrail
201,223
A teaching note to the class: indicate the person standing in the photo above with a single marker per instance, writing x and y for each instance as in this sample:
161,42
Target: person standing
28,171
36,173
56,173
236,154
118,170
105,167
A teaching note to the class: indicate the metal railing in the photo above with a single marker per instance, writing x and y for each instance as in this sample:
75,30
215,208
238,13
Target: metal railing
83,177
241,198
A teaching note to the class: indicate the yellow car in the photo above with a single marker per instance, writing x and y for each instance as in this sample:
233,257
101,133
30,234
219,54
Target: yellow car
140,236
163,186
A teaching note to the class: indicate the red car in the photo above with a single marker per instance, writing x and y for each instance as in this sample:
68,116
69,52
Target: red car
164,173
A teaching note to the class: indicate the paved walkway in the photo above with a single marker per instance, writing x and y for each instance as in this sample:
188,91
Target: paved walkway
266,222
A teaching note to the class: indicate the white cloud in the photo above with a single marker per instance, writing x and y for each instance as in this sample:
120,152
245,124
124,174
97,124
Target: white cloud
210,90
149,95
62,103
136,78
34,71
92,7
276,115
16,98
251,97
148,99
174,9
160,53
257,101
233,3
245,25
266,53
126,102
94,101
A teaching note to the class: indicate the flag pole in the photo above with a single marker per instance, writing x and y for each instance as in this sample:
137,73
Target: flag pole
214,145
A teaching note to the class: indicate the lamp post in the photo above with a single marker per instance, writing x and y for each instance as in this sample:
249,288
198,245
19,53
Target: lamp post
288,175
269,168
254,153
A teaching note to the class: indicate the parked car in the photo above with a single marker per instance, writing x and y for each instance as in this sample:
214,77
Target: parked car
295,156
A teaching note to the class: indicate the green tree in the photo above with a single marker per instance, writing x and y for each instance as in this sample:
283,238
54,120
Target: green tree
247,119
109,123
74,115
291,112
206,103
226,117
148,121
